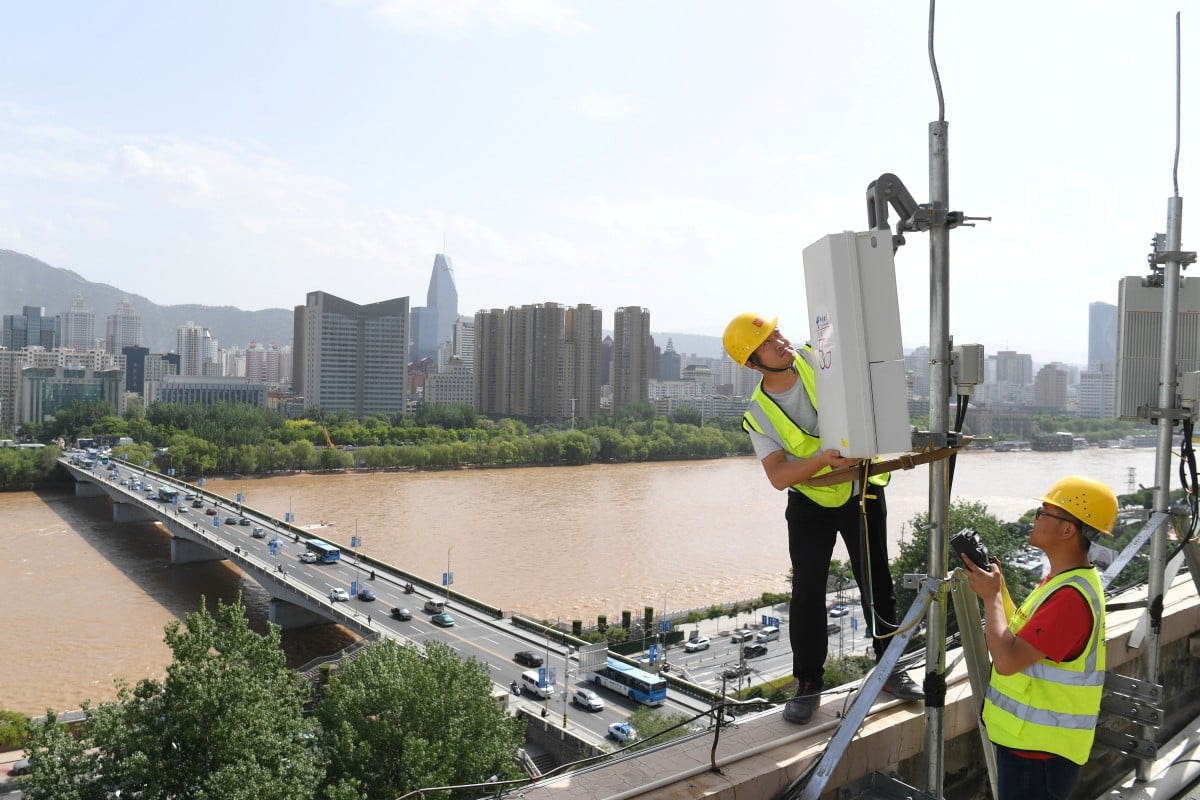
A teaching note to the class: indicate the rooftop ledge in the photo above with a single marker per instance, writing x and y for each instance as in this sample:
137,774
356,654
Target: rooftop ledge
759,755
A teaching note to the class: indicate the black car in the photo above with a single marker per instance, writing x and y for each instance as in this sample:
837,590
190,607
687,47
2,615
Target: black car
528,658
365,594
401,613
197,503
754,649
231,520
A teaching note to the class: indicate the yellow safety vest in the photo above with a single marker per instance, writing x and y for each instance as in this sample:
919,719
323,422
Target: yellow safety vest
1049,706
764,415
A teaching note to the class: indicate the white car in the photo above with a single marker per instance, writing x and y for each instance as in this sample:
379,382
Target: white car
338,594
741,635
586,698
622,731
696,645
308,557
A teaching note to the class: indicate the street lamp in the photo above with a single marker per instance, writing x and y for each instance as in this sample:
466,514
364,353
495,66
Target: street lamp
449,577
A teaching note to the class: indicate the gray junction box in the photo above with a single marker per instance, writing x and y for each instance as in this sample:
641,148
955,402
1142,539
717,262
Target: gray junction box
854,330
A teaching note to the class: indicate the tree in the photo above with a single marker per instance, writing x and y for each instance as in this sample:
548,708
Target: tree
657,725
226,722
60,767
395,720
14,729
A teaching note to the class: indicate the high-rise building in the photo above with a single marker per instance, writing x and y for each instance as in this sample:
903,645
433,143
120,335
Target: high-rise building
197,349
1050,388
581,361
538,362
1097,392
669,363
141,366
123,329
1102,334
30,328
1014,368
423,326
77,327
632,345
464,340
442,296
350,357
264,364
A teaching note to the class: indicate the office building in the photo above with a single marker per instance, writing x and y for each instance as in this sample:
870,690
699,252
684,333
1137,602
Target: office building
454,384
44,391
30,328
669,363
1097,391
141,366
632,346
205,391
350,357
123,329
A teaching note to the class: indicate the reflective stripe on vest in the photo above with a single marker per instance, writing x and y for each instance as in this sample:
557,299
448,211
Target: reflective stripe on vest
1052,707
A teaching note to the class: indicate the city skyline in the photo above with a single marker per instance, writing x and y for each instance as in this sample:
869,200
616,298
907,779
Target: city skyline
684,175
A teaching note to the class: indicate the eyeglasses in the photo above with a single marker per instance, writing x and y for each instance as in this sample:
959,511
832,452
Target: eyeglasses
1041,512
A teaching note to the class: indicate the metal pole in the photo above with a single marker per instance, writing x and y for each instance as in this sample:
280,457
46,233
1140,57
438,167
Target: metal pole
1162,466
939,509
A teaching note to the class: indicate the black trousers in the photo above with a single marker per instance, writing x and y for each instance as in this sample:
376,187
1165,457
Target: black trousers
812,533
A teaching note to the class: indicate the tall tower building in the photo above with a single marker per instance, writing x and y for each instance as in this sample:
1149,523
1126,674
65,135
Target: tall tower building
197,349
30,328
350,357
632,346
123,329
443,297
78,331
669,363
1102,335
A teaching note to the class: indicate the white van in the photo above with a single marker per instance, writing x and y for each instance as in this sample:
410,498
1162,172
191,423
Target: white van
529,679
768,634
435,606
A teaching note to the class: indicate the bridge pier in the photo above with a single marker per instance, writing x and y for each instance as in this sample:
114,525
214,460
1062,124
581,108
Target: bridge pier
288,616
88,489
185,551
129,512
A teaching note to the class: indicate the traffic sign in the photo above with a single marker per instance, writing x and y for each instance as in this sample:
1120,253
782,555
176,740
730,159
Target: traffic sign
216,522
541,677
664,626
353,587
447,578
653,653
854,623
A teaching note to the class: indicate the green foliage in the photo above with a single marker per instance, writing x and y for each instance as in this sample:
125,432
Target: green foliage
14,730
226,722
60,766
657,725
395,721
21,468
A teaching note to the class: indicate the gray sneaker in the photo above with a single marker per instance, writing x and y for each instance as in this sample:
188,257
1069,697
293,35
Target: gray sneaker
800,708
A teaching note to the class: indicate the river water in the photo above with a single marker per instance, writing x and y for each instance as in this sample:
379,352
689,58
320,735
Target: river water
83,600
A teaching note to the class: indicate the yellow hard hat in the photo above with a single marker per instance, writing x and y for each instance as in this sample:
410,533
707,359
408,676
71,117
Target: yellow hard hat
745,333
1086,499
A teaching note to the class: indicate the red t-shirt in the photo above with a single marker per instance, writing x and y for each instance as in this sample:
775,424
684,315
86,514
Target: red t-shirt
1059,629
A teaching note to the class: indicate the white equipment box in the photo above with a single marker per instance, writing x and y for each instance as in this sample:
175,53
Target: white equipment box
854,329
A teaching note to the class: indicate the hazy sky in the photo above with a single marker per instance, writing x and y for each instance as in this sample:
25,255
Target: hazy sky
672,154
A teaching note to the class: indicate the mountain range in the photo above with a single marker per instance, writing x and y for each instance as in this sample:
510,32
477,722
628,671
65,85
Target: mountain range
26,281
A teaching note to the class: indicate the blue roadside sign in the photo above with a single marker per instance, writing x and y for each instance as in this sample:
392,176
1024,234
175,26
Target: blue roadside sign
542,677
653,653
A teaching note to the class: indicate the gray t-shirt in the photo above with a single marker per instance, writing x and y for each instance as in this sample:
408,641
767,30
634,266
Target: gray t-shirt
796,405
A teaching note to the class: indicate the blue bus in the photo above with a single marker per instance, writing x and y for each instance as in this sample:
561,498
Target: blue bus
326,553
634,683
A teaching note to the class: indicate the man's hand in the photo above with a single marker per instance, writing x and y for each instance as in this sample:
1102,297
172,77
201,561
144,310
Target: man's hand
985,583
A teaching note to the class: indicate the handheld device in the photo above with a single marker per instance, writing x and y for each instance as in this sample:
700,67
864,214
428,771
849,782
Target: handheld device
967,543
